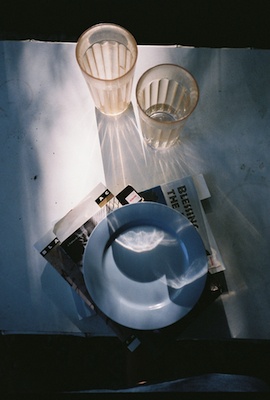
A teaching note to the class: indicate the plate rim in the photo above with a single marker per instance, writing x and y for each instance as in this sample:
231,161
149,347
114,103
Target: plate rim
132,218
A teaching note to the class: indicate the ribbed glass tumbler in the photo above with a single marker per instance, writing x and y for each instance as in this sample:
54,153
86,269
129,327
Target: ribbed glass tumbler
166,96
107,55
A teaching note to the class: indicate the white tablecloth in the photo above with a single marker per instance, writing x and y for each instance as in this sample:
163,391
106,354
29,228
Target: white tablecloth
55,147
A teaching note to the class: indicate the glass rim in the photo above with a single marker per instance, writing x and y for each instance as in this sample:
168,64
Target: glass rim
175,122
95,27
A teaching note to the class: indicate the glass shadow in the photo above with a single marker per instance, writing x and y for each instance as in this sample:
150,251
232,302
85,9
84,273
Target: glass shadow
128,160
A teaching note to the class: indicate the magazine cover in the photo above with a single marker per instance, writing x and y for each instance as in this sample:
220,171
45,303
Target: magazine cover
185,196
181,196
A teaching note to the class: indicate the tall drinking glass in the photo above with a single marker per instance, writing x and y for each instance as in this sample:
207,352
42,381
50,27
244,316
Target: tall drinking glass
107,55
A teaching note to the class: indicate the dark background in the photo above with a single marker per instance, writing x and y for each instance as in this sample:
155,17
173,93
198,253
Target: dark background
204,23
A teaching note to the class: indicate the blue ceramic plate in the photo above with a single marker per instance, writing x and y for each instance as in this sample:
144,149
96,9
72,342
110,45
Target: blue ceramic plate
145,266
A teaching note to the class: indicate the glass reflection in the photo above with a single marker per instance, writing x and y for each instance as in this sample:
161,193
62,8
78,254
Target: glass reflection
140,241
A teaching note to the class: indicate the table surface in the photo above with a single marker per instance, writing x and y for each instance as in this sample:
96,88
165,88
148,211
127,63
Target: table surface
55,147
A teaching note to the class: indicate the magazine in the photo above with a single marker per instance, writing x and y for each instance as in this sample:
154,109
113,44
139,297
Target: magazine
63,247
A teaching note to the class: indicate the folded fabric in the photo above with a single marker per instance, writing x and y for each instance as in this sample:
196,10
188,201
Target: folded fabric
202,383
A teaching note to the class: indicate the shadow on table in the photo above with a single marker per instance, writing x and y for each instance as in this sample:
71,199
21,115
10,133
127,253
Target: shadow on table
80,318
128,160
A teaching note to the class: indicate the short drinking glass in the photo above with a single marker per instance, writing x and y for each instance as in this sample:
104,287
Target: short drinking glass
166,95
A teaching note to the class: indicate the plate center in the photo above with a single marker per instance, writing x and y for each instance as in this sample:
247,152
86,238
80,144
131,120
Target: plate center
145,253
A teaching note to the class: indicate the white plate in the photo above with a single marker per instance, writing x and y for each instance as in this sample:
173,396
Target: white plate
145,265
